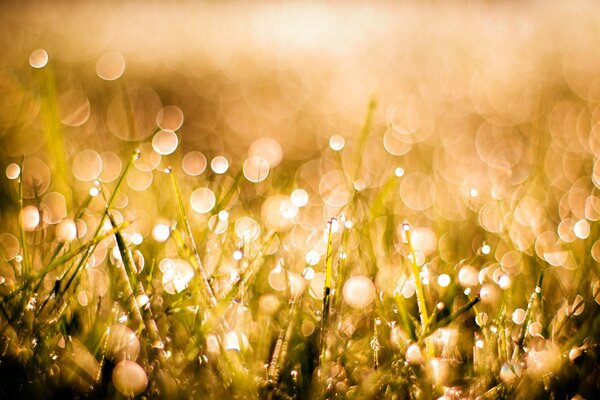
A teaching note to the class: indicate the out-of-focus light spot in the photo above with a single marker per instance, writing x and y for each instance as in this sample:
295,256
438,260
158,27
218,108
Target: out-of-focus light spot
443,280
467,276
139,180
176,275
247,229
231,341
535,328
30,218
165,142
308,273
582,229
474,192
504,282
518,316
288,209
94,191
399,171
237,255
413,354
66,230
202,200
256,169
488,293
161,232
337,142
82,298
268,149
194,163
223,215
147,159
38,58
566,230
74,108
13,171
9,246
169,118
277,278
297,284
219,165
111,166
312,257
129,378
54,207
217,225
299,198
110,66
359,185
359,292
395,143
136,239
87,165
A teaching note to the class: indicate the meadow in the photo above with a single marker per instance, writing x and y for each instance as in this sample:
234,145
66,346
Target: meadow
299,201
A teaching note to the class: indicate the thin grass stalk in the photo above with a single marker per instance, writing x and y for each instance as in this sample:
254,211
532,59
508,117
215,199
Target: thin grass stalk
206,287
326,294
137,290
24,246
60,303
419,288
537,292
449,319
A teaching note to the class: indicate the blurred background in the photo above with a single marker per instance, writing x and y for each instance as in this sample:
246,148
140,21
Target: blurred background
476,122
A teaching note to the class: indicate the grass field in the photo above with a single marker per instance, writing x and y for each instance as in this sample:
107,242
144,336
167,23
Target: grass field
299,201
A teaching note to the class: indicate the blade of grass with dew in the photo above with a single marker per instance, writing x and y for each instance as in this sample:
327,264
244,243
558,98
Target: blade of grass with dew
449,319
206,287
137,291
419,288
24,245
326,293
537,292
60,303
